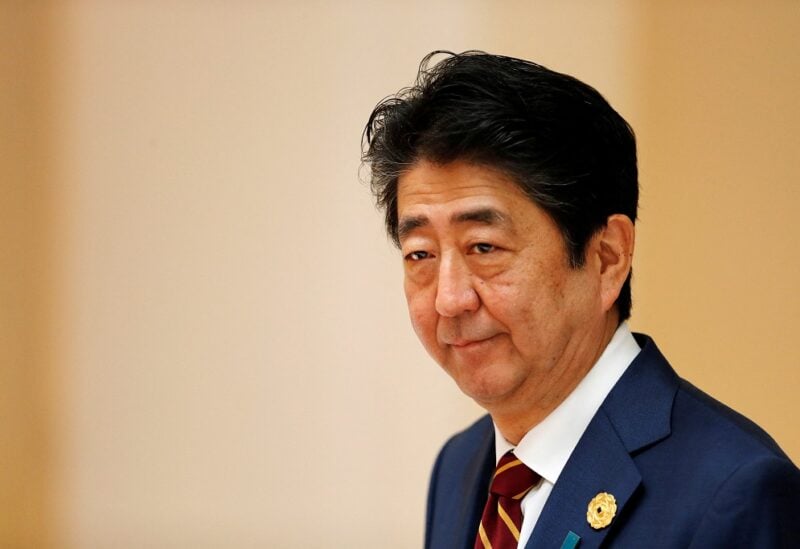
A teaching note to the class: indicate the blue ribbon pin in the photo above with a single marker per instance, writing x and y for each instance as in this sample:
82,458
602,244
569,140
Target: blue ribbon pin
571,541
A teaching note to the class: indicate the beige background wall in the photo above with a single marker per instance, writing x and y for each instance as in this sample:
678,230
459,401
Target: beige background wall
202,332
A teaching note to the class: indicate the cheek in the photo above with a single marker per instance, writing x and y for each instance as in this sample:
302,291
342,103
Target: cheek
422,312
511,299
527,304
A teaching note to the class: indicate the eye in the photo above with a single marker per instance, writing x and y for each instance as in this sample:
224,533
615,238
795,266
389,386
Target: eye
483,248
417,256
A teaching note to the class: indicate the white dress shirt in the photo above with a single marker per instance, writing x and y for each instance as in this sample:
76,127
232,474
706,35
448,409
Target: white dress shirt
547,447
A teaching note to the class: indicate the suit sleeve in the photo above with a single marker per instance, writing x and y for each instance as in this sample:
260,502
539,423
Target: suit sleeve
757,506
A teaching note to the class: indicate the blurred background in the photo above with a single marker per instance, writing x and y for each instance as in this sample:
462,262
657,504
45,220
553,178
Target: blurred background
203,337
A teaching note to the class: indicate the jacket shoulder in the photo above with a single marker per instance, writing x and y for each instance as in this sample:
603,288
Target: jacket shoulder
710,476
721,426
749,488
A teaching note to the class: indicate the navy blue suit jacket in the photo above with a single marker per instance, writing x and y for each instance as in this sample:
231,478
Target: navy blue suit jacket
686,472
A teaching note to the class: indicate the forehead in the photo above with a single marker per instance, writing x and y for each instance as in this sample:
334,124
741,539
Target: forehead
430,182
428,191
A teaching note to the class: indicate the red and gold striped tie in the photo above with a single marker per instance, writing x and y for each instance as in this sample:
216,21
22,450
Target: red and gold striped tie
502,516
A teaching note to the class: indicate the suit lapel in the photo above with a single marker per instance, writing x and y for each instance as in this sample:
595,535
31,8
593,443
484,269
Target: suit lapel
478,476
636,413
599,463
461,483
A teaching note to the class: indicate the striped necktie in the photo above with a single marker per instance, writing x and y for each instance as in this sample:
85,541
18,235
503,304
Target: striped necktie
502,516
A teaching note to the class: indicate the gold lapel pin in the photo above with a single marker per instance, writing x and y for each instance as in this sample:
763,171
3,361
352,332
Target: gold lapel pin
601,510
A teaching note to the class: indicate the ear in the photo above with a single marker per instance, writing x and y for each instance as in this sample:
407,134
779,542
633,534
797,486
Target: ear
615,252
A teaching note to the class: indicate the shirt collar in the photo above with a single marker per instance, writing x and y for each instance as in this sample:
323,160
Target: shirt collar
547,447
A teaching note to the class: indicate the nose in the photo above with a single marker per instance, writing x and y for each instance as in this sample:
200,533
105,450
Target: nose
455,292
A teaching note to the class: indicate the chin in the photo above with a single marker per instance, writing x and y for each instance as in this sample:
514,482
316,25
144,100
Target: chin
486,389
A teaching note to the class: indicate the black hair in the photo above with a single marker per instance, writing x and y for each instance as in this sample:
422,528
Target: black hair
556,137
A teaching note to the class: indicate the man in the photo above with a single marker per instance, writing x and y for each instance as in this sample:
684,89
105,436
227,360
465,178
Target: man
512,192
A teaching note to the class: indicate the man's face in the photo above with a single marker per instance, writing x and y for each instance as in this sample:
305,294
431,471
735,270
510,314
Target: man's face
489,288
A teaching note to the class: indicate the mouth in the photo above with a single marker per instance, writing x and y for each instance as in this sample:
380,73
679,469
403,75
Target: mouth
467,344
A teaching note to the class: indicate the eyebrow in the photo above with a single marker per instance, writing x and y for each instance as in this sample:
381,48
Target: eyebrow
484,216
409,224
